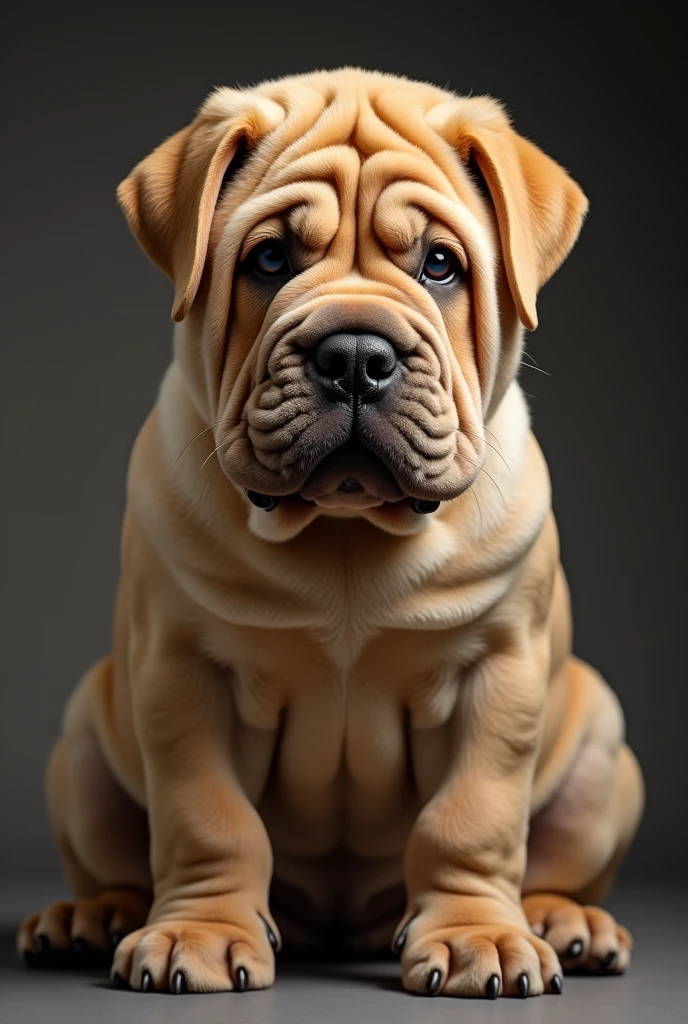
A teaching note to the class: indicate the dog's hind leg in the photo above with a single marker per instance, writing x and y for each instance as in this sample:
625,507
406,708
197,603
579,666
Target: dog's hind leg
102,836
578,839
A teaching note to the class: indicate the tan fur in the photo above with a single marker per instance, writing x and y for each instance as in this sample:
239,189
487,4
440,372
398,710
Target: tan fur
360,700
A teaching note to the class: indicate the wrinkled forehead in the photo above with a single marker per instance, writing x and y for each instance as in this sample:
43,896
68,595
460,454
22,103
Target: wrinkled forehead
353,166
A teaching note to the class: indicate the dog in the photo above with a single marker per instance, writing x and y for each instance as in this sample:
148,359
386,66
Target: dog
342,709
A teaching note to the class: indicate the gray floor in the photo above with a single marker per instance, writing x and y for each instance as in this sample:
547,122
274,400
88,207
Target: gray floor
654,992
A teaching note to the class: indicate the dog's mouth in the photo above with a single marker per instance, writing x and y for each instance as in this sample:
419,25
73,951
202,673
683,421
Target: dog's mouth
351,477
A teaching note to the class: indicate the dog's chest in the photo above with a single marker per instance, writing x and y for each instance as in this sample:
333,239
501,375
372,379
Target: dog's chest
358,738
345,697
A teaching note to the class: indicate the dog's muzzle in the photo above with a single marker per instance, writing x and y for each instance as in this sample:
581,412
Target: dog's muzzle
354,370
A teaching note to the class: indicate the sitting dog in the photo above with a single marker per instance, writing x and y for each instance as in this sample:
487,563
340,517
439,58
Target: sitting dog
341,708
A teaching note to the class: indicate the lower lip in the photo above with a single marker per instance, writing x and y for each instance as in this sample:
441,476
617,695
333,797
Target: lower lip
359,501
376,482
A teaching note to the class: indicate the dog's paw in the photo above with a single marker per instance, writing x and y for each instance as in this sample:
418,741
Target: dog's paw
482,961
197,956
587,939
69,932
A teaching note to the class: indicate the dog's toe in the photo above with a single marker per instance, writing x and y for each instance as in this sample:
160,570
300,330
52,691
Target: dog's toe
587,938
196,956
70,932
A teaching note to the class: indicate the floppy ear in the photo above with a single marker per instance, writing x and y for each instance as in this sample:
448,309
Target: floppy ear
539,208
169,198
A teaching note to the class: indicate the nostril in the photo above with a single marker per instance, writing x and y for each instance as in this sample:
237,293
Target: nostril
335,357
379,367
332,365
376,363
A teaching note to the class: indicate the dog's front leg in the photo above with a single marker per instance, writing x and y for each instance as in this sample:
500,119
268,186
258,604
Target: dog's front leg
209,928
464,932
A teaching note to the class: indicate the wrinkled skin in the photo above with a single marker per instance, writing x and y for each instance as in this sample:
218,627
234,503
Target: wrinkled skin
341,706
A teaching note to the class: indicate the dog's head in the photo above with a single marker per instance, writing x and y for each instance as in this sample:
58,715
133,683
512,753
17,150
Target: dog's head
354,259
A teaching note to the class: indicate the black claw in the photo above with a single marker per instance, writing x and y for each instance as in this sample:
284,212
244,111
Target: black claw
241,979
555,985
422,507
492,987
118,981
43,943
400,940
433,982
609,960
264,501
115,939
179,983
147,982
80,946
523,986
30,959
272,938
575,949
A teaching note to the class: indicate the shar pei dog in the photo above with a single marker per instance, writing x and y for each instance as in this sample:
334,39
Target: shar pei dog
341,709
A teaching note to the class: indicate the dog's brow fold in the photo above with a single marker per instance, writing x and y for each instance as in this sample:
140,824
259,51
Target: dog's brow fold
309,233
272,228
406,240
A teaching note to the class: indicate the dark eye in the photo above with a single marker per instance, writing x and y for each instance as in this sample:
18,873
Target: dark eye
269,259
441,265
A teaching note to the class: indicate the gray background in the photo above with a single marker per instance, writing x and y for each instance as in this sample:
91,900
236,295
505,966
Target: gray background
86,328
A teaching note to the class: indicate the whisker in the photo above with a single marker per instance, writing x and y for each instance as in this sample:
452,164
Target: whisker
534,366
195,438
203,490
213,452
496,485
470,434
482,470
493,434
480,511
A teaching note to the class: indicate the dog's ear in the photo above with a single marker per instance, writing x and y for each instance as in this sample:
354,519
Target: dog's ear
539,208
169,198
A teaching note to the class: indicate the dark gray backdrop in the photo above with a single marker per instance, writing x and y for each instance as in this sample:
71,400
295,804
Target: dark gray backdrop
85,328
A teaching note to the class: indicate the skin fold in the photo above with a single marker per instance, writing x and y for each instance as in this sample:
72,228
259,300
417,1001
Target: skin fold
343,722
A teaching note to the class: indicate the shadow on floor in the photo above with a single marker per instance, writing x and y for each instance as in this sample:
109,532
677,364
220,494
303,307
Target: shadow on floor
377,972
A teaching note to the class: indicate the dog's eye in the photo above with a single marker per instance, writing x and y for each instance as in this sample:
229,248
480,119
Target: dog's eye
440,267
269,259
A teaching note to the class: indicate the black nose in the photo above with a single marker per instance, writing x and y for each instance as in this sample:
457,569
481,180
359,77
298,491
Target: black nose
350,366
